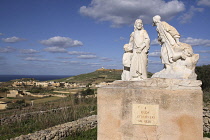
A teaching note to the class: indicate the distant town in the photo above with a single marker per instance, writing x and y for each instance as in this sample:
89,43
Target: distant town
28,87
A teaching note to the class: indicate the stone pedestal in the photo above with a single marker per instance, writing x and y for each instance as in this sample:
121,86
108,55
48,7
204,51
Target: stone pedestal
151,109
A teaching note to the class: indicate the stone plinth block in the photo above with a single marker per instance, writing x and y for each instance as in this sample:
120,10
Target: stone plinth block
151,109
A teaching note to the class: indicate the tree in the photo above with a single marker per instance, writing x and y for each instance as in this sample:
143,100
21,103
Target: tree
4,89
203,73
88,91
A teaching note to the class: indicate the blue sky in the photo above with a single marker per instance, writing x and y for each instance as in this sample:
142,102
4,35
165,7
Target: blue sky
70,37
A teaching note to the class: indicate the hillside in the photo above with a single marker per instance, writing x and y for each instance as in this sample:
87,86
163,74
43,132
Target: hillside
100,75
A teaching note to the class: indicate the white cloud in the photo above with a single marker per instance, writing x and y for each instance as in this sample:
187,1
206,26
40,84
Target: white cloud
155,54
121,39
154,62
13,39
154,42
203,51
87,56
62,42
105,59
185,18
71,62
7,49
94,64
28,51
200,63
189,40
122,12
78,53
29,55
74,62
204,3
55,50
35,59
196,42
64,57
111,66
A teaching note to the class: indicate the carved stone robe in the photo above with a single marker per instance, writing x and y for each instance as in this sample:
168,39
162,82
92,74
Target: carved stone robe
140,42
166,37
127,57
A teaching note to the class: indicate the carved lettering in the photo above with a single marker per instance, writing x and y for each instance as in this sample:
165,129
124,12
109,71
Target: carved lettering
145,114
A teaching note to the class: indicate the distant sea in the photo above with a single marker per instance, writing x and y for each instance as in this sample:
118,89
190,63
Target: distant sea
5,78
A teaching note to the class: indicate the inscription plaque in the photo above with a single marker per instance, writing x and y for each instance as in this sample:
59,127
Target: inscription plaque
145,114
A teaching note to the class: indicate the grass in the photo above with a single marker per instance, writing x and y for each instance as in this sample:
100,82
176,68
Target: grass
44,103
16,129
40,103
206,135
85,135
46,99
78,108
43,121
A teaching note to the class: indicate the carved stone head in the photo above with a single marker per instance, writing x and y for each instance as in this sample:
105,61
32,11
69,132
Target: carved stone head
127,48
156,19
138,24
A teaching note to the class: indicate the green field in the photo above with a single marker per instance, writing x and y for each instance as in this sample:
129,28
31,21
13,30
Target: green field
46,99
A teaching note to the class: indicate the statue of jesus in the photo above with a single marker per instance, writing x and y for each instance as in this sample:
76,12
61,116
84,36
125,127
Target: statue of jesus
140,42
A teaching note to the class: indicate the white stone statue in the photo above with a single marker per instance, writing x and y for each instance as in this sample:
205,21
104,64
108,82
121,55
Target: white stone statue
140,42
178,58
127,56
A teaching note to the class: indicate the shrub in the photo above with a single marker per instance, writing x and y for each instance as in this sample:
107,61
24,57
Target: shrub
18,104
88,91
203,73
4,89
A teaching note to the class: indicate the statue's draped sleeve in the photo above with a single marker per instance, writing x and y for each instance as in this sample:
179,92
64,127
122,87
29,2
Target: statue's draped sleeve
146,41
131,41
171,30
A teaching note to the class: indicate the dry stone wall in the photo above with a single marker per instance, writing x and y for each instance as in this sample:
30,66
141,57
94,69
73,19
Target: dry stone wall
61,131
26,116
206,120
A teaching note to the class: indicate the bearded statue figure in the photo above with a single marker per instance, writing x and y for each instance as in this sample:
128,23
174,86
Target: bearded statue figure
178,58
140,42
